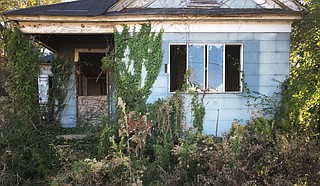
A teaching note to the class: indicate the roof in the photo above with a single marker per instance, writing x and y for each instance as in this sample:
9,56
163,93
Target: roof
197,11
74,8
139,7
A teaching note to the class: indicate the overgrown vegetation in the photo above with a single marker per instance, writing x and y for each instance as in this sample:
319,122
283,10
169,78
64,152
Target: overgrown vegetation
148,144
300,108
25,152
136,65
23,75
61,72
155,149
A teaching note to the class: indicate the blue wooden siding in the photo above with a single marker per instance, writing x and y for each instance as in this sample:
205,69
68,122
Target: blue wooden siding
69,114
265,59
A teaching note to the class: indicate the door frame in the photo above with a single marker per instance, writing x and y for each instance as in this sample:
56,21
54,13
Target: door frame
77,52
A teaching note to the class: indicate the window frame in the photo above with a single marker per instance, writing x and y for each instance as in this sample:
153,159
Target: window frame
205,68
169,63
223,68
241,68
204,61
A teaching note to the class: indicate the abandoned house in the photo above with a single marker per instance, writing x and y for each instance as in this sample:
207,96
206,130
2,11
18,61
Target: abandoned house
230,45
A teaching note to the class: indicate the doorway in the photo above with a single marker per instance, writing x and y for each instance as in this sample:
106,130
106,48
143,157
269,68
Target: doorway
93,87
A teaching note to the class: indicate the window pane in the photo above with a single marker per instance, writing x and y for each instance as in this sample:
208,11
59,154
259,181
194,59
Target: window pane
196,65
178,66
215,67
233,67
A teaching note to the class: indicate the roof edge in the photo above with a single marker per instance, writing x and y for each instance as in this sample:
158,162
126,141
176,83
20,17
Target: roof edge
154,17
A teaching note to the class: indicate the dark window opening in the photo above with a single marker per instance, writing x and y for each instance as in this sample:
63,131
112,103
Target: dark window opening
91,79
232,67
178,65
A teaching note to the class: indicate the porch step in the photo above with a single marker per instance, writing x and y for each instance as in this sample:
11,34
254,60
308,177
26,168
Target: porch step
72,136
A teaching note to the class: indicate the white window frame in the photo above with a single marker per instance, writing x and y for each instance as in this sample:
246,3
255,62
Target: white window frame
223,67
204,61
169,63
241,68
206,71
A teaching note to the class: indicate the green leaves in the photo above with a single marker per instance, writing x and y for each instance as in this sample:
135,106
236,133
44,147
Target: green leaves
137,62
300,103
23,66
61,72
198,111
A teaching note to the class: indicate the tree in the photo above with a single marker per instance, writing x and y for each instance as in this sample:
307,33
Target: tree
300,109
30,154
6,5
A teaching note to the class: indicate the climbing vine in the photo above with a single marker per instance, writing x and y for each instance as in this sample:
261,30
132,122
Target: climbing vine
61,72
198,107
136,65
23,65
198,110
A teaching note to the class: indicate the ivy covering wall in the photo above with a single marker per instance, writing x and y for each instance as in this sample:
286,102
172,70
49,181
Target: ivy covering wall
23,65
135,53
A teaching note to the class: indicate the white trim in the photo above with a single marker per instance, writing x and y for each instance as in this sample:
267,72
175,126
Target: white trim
224,69
241,68
171,27
169,67
77,52
187,61
154,18
206,68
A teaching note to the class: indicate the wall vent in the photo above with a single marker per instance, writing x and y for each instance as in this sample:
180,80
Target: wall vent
204,3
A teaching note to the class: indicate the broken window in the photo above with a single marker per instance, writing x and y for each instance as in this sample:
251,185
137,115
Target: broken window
233,68
178,65
215,67
91,79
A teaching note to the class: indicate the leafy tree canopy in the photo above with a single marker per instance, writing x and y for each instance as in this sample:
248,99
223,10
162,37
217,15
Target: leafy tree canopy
301,100
15,4
6,5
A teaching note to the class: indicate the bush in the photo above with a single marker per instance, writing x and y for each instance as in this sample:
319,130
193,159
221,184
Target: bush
255,154
27,156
